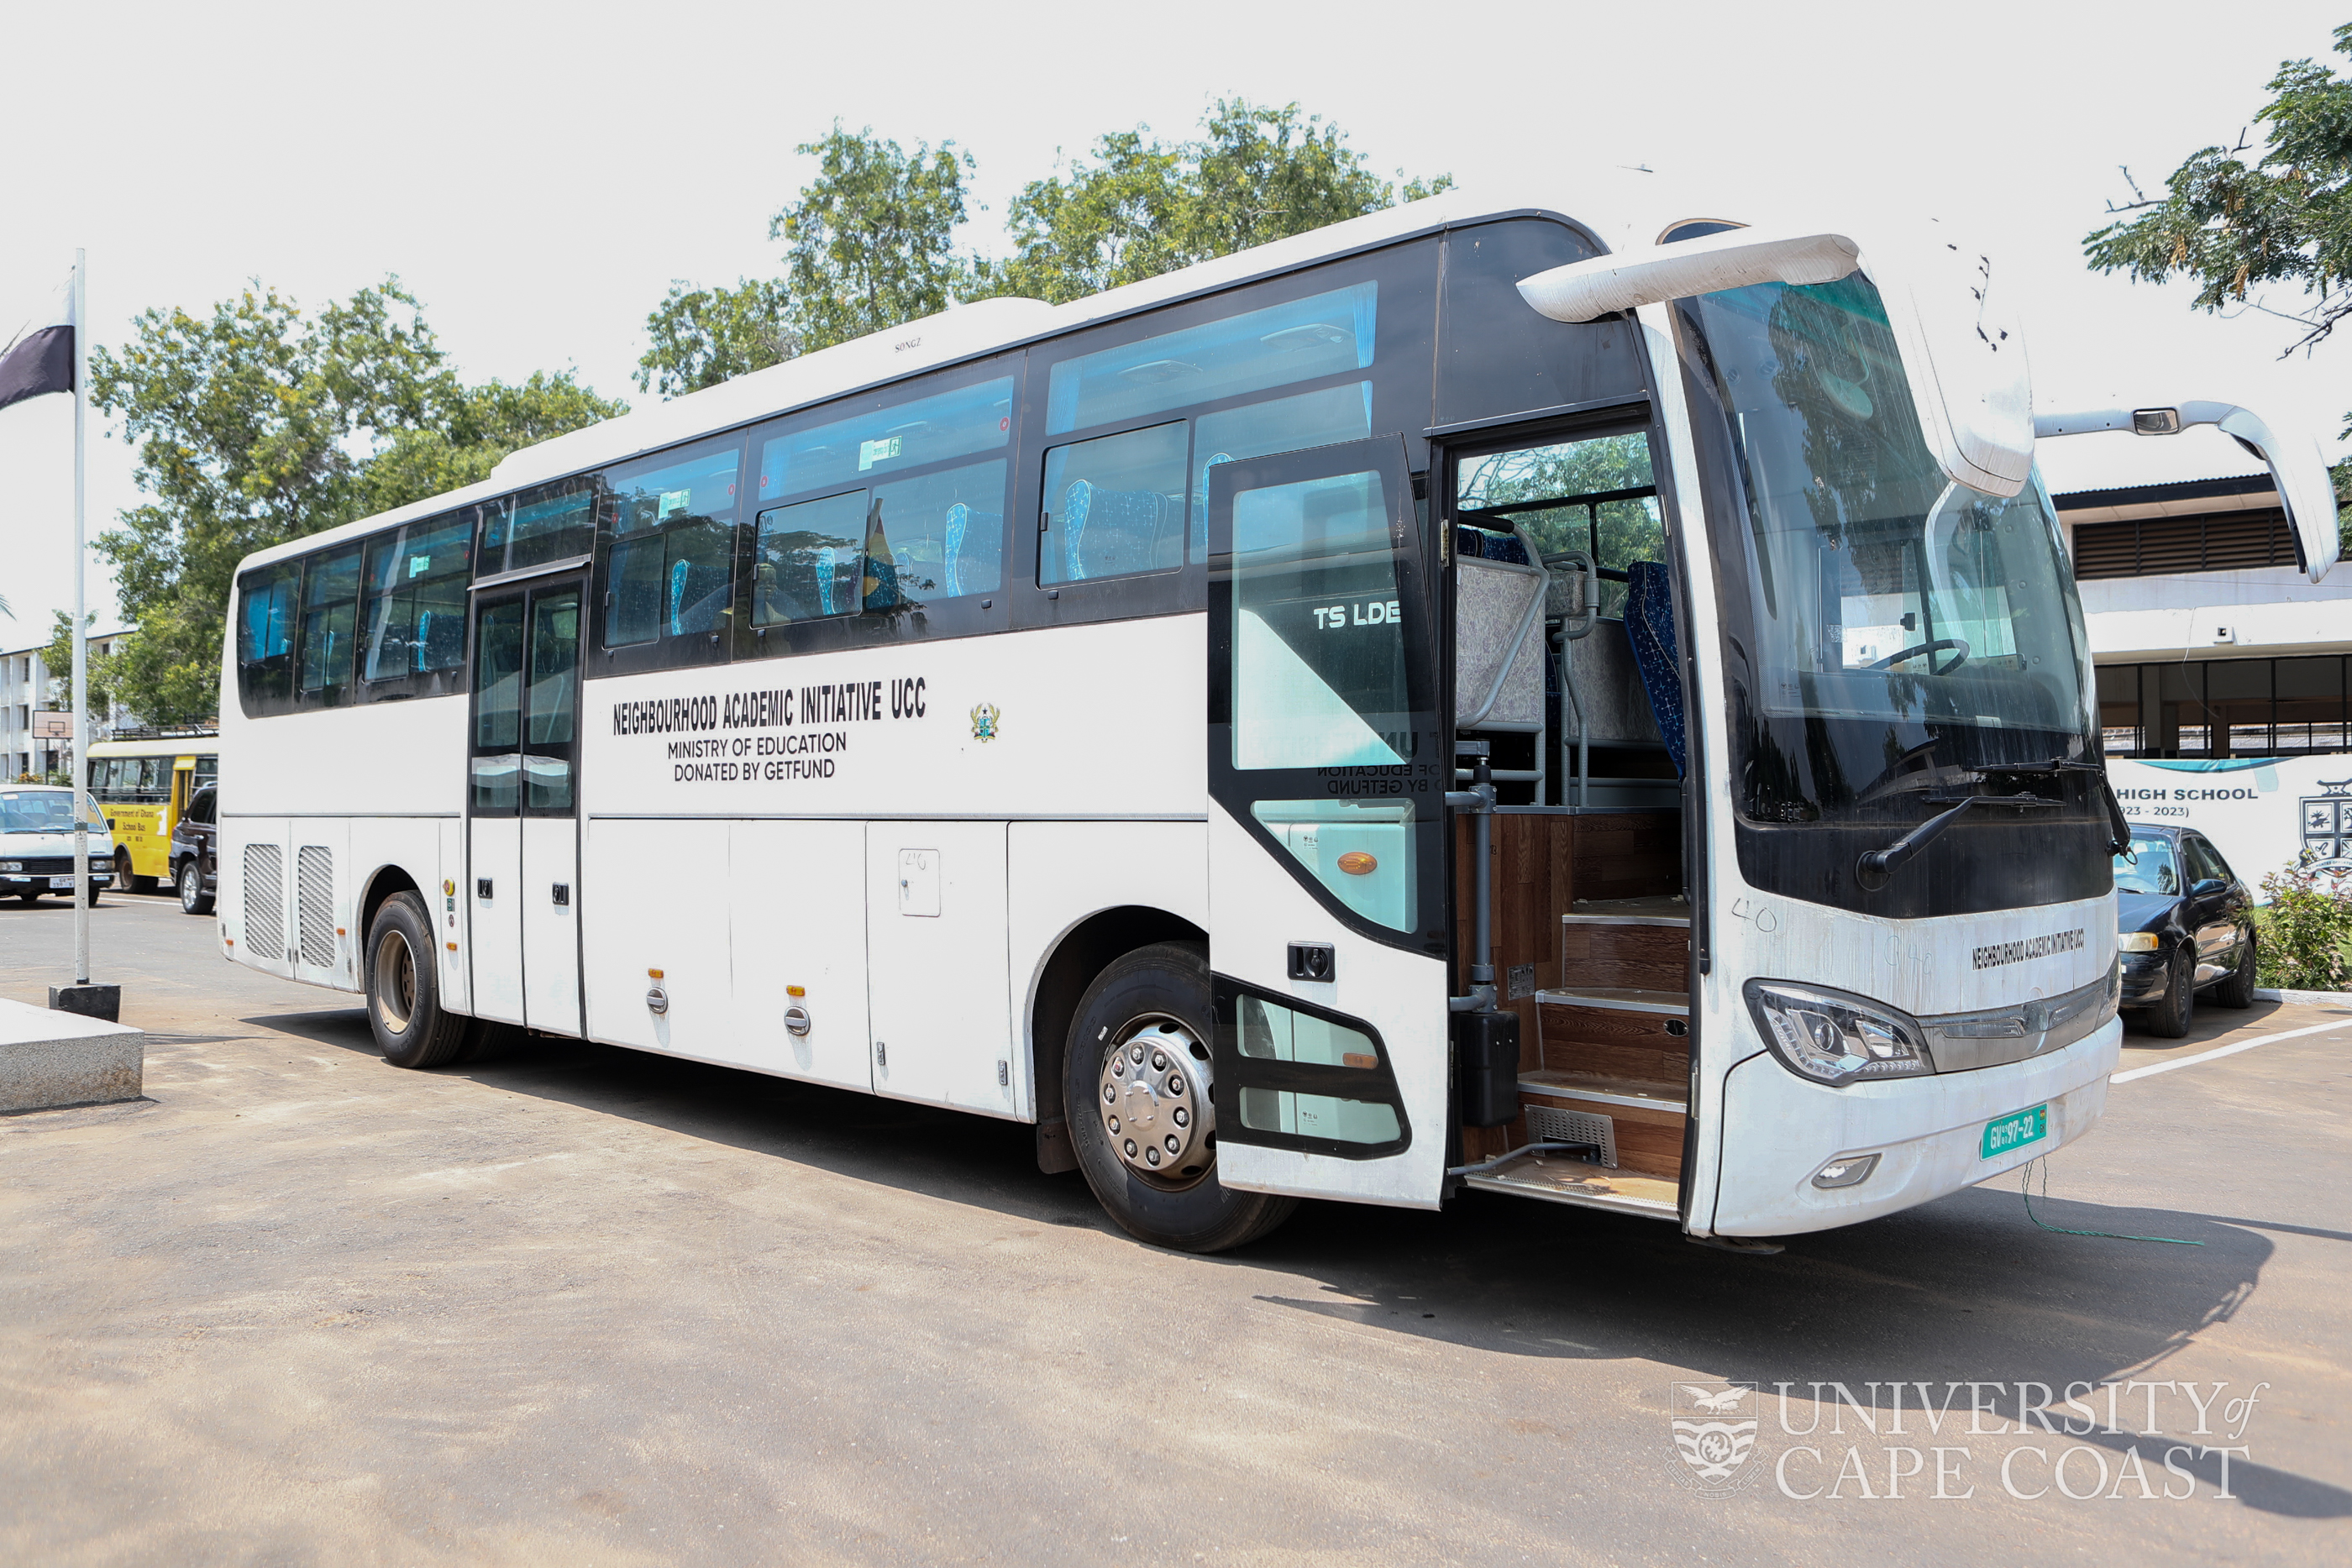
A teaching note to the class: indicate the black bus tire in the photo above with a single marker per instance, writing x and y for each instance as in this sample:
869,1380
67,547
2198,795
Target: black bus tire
403,988
1169,981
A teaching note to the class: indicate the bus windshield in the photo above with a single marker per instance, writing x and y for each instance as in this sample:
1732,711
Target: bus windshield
1888,612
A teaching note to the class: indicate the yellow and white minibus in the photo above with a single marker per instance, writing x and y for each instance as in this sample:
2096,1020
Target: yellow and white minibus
144,779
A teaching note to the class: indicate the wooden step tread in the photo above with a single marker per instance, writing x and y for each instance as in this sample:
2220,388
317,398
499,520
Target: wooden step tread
1619,998
1586,1186
1649,911
1639,1092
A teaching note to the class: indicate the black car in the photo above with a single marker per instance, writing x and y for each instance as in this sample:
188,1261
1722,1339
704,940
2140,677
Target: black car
2187,925
196,866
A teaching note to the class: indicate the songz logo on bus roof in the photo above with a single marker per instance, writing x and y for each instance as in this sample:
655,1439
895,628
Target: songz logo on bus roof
2000,952
805,752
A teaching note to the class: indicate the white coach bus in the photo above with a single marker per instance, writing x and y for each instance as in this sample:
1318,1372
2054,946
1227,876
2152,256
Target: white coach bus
1589,705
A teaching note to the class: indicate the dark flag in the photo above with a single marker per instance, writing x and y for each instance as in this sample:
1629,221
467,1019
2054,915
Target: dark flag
39,359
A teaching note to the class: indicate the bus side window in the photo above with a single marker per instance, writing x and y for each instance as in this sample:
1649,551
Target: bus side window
413,620
924,526
265,637
1114,505
329,611
672,566
809,560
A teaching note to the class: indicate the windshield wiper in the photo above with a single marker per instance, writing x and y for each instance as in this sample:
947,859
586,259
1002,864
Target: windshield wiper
2119,827
1875,869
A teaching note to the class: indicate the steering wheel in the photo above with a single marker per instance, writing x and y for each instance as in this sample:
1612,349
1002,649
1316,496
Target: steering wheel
1915,649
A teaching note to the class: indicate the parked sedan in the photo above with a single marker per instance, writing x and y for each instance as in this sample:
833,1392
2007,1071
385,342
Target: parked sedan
2187,925
36,843
196,835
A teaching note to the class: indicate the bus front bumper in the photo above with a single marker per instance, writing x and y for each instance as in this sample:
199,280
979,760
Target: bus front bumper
1929,1134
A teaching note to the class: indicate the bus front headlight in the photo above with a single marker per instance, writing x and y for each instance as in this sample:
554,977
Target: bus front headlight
1831,1037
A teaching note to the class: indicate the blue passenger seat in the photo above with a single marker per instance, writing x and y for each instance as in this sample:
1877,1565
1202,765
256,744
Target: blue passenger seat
975,550
1107,533
1649,627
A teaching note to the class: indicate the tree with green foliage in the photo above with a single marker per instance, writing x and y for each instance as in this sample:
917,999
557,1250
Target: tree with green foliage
872,239
1144,207
57,658
259,425
702,336
2233,226
870,244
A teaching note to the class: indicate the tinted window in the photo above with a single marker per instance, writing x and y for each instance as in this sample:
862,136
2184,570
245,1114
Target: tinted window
898,512
552,522
1298,340
890,441
264,636
672,521
809,560
1114,506
201,806
1497,356
498,709
1323,418
331,593
413,613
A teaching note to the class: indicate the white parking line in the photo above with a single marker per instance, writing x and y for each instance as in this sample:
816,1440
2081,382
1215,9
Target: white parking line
2219,1050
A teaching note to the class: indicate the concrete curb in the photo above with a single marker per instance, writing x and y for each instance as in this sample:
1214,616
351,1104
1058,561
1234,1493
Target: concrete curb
49,1059
2324,998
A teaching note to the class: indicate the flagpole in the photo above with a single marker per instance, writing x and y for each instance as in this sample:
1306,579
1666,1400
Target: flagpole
78,782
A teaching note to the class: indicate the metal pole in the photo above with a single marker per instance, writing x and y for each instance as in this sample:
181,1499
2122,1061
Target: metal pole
80,789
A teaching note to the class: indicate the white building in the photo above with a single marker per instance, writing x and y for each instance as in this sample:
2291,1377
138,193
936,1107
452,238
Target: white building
2209,643
26,685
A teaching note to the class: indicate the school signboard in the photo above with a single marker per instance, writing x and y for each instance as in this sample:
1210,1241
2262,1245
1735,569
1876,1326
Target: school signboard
2261,813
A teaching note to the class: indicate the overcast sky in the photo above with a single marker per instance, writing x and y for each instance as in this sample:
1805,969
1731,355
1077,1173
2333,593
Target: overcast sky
540,173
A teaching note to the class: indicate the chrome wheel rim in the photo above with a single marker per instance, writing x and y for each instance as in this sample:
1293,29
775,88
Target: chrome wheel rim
396,982
1153,1098
191,884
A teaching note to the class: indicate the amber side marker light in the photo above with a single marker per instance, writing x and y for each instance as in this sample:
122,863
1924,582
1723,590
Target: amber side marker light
796,990
1356,863
653,973
1359,1059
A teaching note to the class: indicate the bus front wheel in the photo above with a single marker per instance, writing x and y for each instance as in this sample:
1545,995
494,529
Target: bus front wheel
403,988
1136,1081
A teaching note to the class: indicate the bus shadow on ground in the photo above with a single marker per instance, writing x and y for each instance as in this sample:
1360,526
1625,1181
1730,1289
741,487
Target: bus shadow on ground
1965,1289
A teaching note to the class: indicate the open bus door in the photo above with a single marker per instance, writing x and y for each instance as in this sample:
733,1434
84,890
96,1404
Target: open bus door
1327,779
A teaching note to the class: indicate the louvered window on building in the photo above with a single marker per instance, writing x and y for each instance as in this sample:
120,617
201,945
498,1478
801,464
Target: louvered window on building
2147,547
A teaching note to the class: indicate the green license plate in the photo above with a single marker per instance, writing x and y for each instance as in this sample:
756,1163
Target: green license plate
2016,1130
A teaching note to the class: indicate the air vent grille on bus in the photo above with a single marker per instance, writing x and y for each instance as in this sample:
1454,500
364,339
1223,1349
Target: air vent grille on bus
264,901
314,904
1550,1124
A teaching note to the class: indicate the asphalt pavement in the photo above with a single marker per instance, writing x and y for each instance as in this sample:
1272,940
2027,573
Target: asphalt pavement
587,1305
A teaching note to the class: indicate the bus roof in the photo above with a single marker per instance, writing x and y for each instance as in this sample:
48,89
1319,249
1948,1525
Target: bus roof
1640,205
169,745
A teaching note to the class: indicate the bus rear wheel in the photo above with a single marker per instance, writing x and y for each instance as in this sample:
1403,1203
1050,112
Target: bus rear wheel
1136,1079
126,879
403,988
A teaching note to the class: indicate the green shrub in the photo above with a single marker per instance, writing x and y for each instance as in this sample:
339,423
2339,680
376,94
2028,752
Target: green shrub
2306,931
